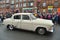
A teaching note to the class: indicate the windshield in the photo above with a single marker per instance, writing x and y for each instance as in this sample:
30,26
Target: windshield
32,16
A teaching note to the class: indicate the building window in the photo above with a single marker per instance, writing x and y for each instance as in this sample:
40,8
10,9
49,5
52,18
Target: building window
2,5
24,4
12,2
24,0
7,5
16,0
16,5
7,1
44,4
30,4
56,3
20,0
20,5
12,6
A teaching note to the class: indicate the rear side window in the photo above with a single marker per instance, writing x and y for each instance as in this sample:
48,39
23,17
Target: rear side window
17,17
25,17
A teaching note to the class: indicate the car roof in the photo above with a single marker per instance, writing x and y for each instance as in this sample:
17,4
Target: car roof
22,13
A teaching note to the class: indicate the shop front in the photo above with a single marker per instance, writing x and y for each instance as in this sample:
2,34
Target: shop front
50,9
27,10
58,10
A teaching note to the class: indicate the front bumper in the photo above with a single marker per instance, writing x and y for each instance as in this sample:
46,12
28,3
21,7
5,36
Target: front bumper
51,30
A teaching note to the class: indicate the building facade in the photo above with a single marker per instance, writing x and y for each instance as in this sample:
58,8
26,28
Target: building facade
33,6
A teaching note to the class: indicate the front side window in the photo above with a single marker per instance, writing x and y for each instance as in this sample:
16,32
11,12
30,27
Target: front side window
17,17
32,16
25,17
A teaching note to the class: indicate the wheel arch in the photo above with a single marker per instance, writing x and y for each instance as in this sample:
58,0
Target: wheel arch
9,25
40,27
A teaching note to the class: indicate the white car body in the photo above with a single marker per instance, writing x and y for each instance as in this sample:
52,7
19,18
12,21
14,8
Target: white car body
31,24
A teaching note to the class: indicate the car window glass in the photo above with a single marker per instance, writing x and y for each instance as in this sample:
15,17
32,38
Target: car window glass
25,17
17,17
32,16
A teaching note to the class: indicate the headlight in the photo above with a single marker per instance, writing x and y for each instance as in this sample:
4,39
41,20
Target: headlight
52,27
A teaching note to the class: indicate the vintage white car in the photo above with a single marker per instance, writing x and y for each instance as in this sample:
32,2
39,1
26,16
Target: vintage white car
28,21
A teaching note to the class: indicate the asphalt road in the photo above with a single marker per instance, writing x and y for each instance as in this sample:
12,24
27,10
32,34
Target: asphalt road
27,35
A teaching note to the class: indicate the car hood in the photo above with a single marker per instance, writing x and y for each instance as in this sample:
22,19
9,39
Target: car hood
43,21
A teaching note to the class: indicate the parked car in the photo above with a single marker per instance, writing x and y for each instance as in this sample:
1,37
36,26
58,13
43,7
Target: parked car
28,21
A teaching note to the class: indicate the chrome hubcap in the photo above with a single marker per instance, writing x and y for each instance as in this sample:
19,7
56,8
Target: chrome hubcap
41,31
10,27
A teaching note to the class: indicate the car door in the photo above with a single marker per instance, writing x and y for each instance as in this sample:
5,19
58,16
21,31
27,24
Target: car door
26,22
17,20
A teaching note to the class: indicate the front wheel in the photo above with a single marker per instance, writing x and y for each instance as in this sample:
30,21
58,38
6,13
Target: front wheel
41,31
10,27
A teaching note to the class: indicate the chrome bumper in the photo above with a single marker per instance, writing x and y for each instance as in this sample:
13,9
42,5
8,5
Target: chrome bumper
51,30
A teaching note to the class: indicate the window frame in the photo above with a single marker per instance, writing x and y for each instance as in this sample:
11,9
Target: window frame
7,1
17,5
25,19
20,0
24,4
30,3
12,2
17,18
56,3
17,1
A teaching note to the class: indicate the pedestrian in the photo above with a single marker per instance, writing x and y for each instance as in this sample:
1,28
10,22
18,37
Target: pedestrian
59,19
55,19
43,15
49,17
2,18
8,14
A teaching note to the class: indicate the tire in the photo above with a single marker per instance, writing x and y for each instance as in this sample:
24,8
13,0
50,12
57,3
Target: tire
41,31
10,27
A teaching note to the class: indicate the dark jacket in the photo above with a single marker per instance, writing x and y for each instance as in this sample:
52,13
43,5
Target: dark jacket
59,19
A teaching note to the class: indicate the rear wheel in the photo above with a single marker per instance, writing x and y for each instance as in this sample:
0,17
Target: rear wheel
10,27
41,31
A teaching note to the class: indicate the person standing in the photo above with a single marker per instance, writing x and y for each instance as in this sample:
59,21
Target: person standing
49,16
55,18
58,18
